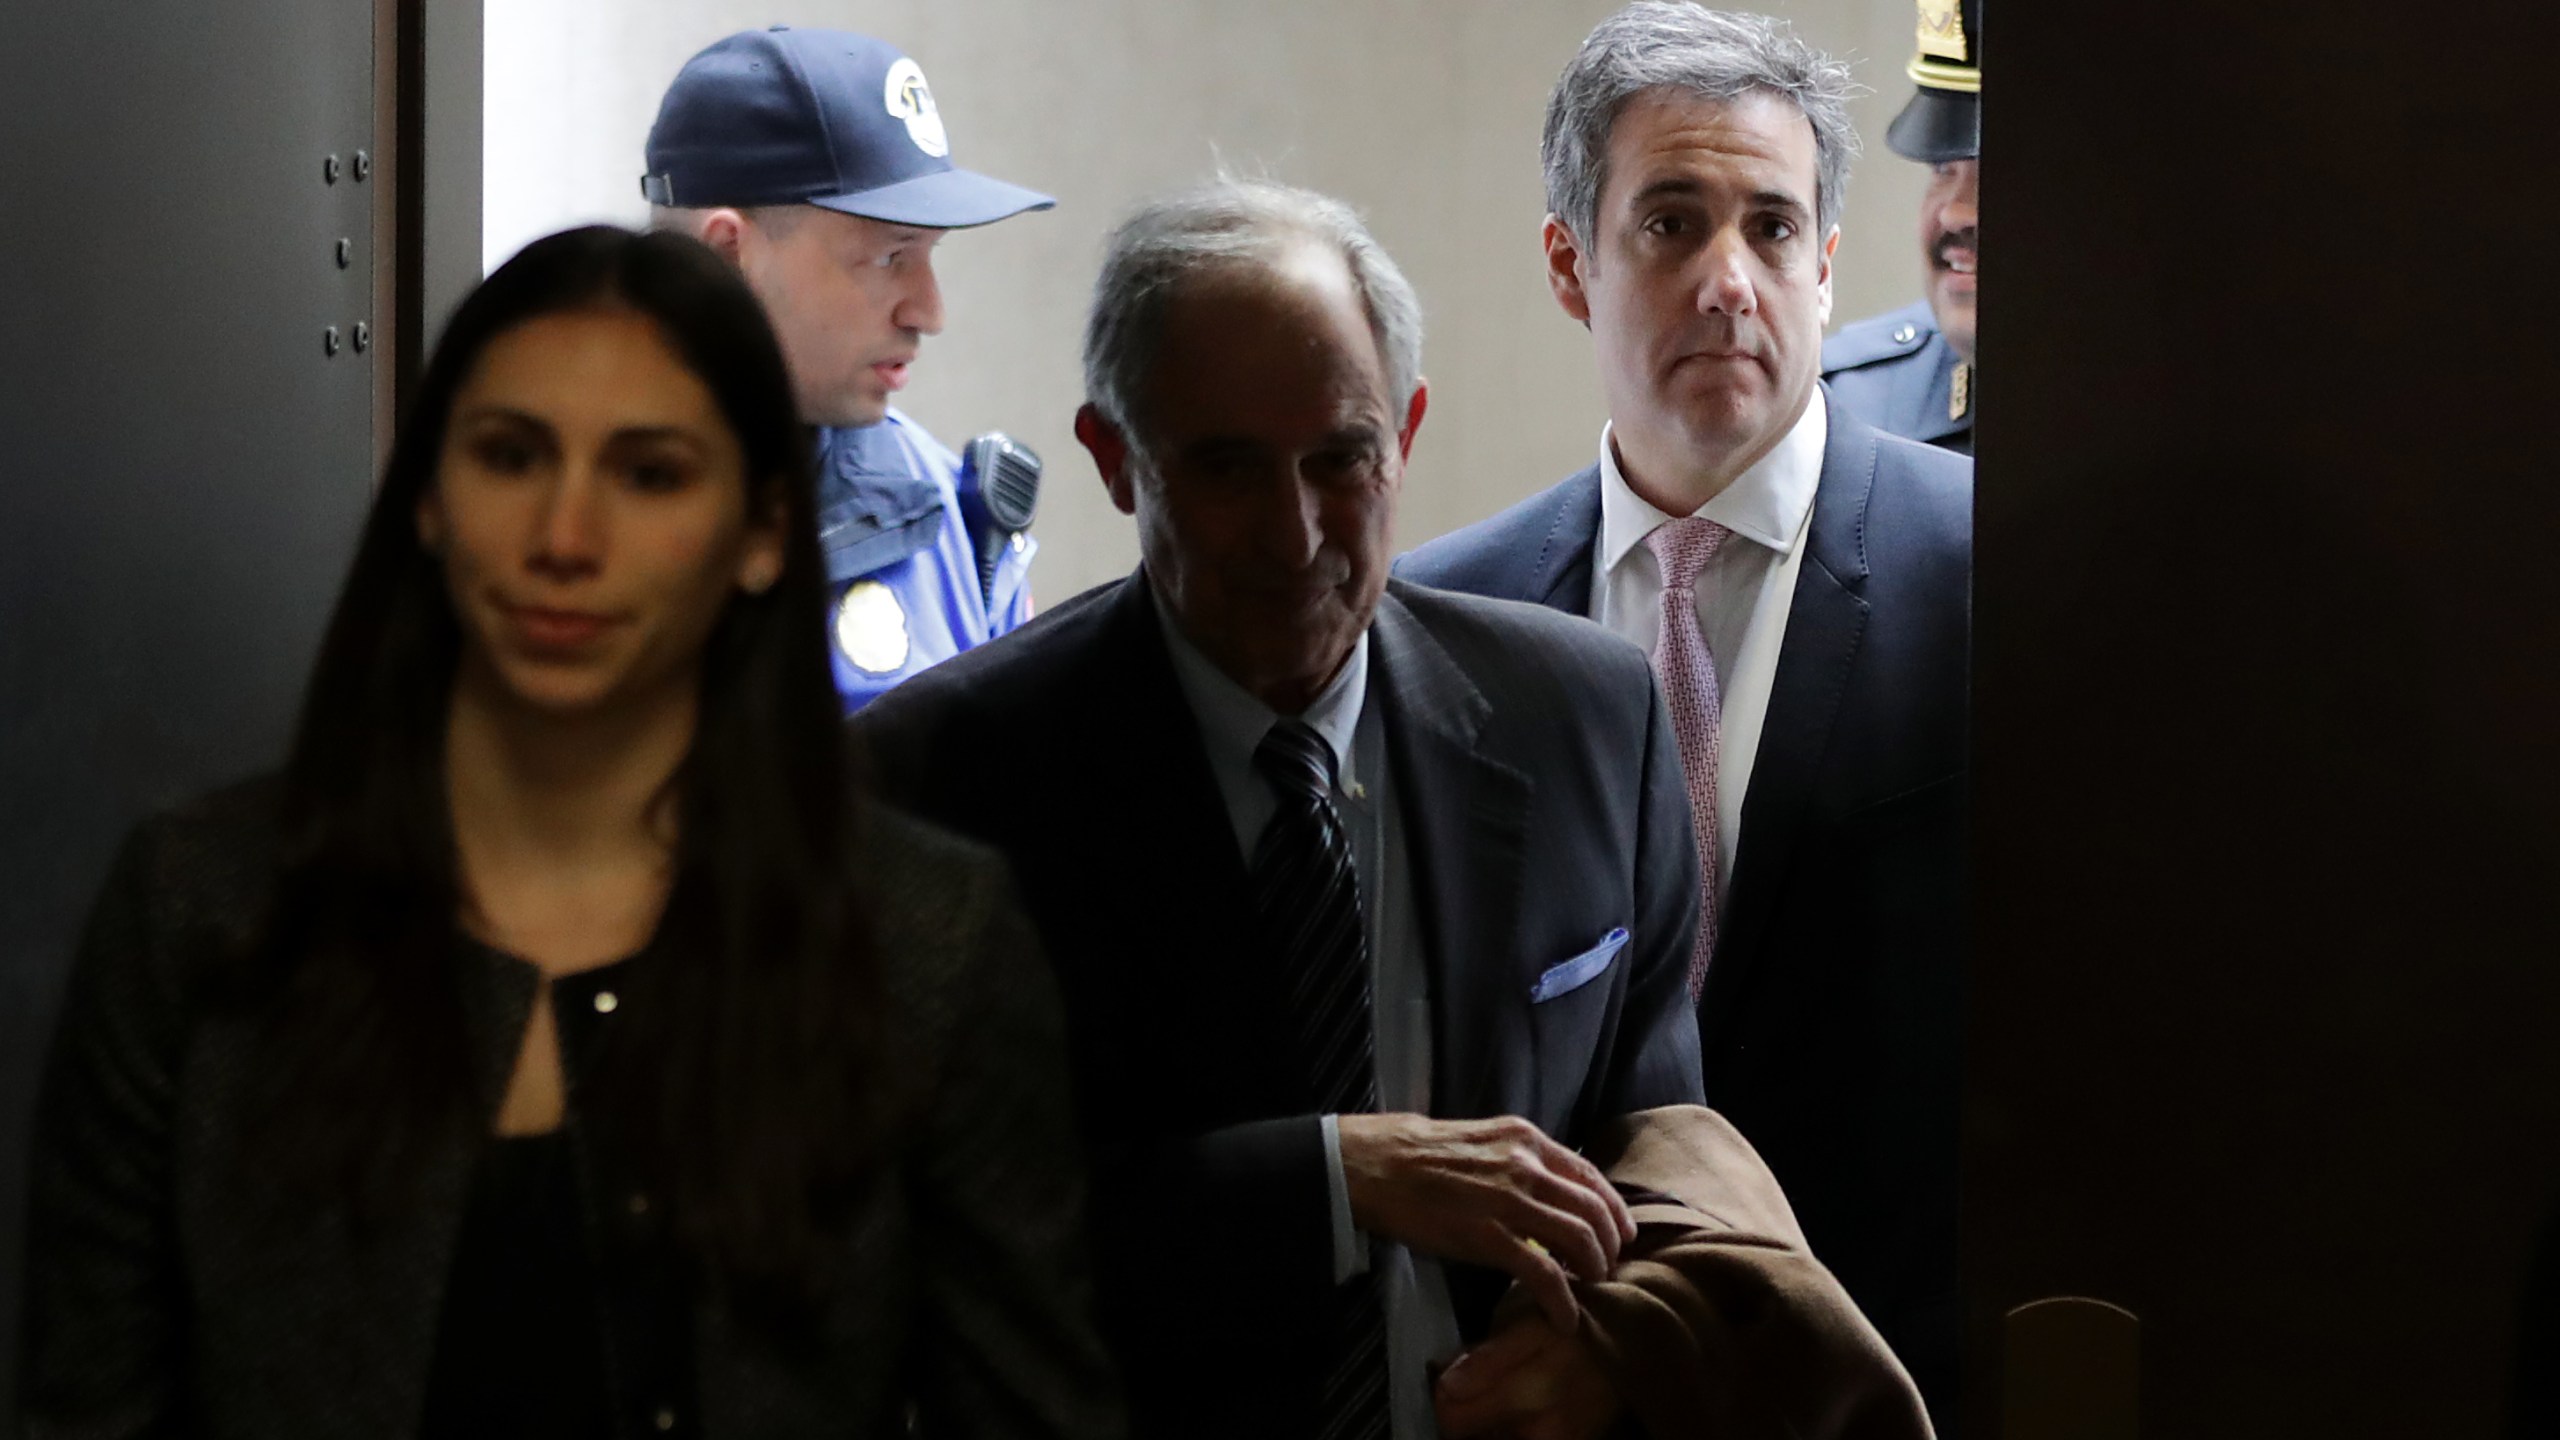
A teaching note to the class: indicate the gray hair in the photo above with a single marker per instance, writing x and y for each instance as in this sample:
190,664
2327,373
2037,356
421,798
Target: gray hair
1713,54
1230,222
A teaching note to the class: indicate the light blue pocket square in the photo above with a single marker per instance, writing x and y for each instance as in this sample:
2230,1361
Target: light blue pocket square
1579,971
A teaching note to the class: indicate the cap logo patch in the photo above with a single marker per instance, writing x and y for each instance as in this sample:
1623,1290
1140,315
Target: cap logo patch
1941,31
910,100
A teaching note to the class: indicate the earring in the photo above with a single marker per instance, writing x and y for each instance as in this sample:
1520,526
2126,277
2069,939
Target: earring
760,577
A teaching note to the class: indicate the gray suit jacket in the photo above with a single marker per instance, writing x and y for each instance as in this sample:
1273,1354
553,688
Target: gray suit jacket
1543,808
164,1296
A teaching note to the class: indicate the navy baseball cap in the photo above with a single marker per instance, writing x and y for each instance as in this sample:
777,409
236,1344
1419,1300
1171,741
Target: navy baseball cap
823,117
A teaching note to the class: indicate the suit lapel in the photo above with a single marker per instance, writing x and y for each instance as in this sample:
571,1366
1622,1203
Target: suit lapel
1139,724
1153,803
1560,574
1466,825
1825,623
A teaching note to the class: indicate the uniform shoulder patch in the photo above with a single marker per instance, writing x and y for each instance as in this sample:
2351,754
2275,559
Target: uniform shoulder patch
1879,337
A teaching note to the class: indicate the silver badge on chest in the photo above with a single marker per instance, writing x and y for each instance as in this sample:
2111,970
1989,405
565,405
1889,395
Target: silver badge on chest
871,628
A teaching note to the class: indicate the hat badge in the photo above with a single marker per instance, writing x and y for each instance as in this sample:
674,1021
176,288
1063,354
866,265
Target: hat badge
1942,30
909,99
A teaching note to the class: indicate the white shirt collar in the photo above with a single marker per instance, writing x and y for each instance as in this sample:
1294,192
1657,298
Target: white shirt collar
1765,504
1233,720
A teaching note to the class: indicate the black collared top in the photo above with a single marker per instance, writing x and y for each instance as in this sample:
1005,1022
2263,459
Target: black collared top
566,1314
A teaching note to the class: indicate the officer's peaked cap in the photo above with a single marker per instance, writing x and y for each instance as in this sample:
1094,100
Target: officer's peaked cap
1944,119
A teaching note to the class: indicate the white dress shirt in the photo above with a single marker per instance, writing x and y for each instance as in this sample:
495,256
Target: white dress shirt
1422,1326
1743,594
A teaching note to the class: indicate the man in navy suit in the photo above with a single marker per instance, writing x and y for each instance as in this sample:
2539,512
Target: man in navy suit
1801,583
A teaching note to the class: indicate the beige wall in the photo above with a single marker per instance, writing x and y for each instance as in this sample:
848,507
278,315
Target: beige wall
1424,113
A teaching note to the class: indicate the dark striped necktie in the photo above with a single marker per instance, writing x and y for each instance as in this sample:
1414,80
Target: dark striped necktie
1307,896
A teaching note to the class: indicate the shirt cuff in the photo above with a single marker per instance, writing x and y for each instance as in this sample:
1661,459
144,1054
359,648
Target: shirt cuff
1350,1250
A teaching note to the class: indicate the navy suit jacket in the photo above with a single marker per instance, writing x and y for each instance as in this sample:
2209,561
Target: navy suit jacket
1833,1012
1543,808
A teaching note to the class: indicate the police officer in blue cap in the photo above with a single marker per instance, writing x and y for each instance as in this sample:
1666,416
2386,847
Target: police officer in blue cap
1911,371
816,161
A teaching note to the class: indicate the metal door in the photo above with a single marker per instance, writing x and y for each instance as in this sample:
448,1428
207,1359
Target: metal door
187,358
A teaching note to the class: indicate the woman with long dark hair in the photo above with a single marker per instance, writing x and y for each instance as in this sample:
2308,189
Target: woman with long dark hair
558,1046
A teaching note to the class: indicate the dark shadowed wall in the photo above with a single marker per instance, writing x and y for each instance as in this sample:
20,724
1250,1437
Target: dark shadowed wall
2263,1034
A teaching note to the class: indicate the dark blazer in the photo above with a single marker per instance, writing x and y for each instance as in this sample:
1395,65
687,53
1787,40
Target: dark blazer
167,1297
1833,1014
1543,808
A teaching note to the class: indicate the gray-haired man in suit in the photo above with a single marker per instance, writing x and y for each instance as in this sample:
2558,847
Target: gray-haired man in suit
1371,905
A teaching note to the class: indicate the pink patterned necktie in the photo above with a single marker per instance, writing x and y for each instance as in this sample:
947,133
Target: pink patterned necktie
1688,671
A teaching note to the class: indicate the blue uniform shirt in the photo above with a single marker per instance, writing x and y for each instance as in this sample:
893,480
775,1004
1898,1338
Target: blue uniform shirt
1897,373
902,570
